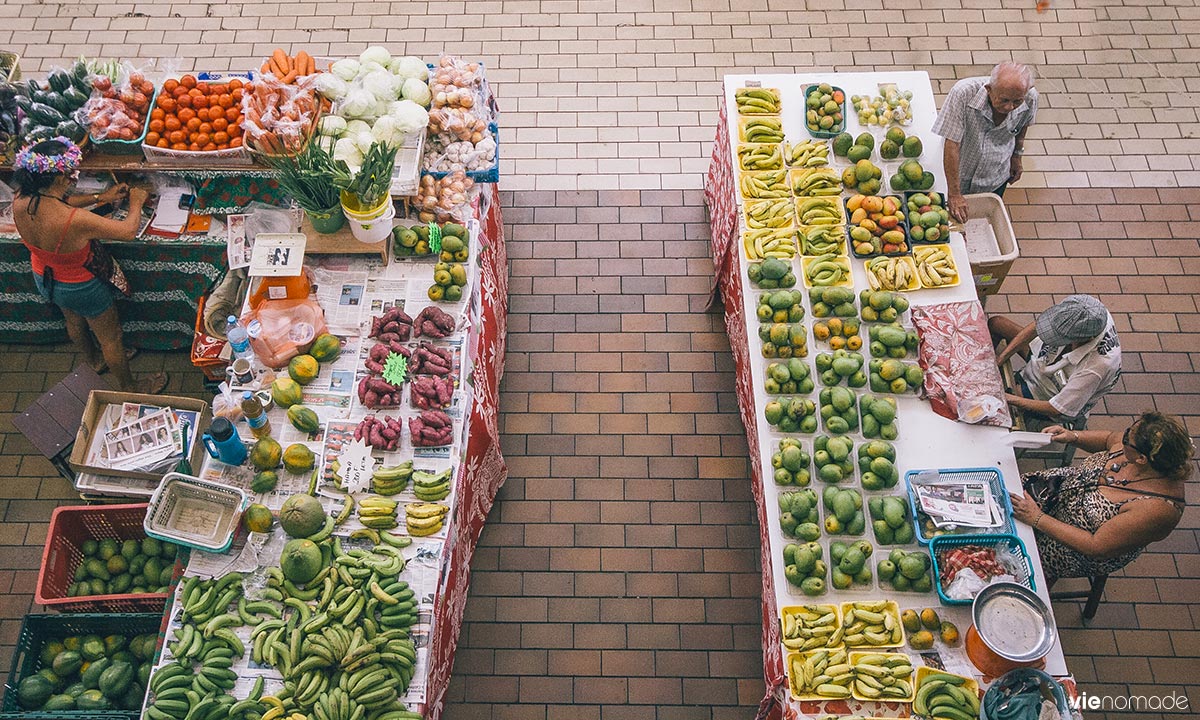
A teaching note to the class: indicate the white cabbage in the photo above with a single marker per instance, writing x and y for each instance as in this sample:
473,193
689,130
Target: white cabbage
417,91
345,69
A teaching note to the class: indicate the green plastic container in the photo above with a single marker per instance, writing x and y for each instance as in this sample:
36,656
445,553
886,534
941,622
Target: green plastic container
327,222
837,129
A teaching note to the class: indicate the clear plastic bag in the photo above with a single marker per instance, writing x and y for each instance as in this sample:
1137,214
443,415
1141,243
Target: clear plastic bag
441,156
278,117
447,199
118,110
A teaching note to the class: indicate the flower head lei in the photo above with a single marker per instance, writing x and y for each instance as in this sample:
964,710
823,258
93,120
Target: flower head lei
64,163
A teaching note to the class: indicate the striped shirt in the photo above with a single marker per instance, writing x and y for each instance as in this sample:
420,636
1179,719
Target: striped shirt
985,148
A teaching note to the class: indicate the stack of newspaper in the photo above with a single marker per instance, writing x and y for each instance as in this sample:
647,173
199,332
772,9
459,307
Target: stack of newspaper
958,503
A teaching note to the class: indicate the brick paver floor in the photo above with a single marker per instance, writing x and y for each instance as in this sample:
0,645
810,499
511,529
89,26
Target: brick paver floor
617,578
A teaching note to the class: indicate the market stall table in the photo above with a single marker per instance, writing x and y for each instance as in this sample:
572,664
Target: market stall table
926,440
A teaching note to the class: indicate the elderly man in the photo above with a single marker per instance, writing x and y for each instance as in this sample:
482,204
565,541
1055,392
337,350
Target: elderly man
984,120
1072,358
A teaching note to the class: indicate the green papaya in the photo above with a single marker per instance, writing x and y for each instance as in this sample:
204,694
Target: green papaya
67,663
92,700
116,679
59,703
91,676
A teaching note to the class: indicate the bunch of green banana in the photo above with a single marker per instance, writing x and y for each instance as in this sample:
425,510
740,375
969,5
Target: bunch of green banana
765,214
822,672
335,471
820,211
935,266
769,243
871,624
757,101
377,513
769,184
828,269
809,627
942,696
810,153
890,273
818,182
424,519
823,240
759,156
431,487
391,479
762,130
883,676
348,505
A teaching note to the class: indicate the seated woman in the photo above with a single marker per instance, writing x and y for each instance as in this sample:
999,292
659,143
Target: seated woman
59,234
1096,517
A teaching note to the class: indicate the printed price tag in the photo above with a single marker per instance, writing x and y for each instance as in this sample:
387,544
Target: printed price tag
357,466
395,369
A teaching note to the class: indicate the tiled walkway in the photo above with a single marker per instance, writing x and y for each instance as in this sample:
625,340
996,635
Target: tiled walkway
617,579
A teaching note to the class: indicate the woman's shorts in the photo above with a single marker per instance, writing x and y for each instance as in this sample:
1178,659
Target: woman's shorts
89,299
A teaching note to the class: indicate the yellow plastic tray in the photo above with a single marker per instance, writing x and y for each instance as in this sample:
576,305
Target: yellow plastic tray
822,608
848,281
957,276
891,607
857,655
792,686
913,282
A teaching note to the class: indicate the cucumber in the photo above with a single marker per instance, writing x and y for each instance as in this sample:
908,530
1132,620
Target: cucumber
44,114
75,98
59,103
59,80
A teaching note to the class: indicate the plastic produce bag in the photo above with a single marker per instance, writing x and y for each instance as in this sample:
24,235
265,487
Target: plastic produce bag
467,156
278,118
118,110
444,200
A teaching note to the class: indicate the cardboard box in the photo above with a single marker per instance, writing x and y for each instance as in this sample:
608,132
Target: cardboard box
98,400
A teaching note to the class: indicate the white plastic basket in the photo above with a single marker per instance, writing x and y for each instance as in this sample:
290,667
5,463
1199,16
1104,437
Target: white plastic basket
233,156
194,512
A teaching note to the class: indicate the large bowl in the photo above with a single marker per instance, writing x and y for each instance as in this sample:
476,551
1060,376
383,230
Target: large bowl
1013,622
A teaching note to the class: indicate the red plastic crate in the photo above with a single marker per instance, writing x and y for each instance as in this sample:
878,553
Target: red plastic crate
70,527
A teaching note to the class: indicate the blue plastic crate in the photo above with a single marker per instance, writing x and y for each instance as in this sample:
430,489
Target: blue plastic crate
988,475
947,542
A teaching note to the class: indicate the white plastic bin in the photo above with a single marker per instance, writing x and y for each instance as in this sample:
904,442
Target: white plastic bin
991,243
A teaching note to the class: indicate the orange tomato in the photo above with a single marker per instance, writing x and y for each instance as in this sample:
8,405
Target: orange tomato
172,123
200,101
219,123
237,95
233,115
184,101
202,87
221,138
152,138
170,85
157,114
188,81
235,83
235,142
179,146
194,147
203,114
179,92
235,131
206,128
162,143
209,147
223,147
193,125
225,101
202,138
157,126
186,114
167,104
177,137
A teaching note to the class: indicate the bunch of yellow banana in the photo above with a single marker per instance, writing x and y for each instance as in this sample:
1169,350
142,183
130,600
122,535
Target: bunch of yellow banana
810,153
818,182
765,185
757,101
890,273
425,518
825,673
762,130
819,211
872,623
827,270
776,213
883,676
935,265
759,156
809,627
824,240
769,243
377,513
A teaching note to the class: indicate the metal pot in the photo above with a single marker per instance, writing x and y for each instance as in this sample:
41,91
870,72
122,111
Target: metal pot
1012,628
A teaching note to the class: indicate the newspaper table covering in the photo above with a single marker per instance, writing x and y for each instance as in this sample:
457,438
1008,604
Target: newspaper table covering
926,441
437,568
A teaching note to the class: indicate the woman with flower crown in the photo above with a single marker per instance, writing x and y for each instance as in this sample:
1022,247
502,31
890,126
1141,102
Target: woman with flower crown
58,233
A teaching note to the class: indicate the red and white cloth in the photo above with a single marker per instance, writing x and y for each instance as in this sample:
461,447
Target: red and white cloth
959,362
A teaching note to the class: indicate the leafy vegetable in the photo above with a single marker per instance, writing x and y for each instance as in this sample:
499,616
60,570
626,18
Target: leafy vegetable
308,178
373,180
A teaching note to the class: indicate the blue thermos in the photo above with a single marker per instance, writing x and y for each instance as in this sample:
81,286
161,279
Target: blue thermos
222,442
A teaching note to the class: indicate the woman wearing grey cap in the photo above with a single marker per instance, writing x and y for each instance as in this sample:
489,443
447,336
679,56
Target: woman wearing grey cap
1072,358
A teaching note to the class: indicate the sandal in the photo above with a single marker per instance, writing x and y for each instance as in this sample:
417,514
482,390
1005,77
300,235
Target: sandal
152,384
130,353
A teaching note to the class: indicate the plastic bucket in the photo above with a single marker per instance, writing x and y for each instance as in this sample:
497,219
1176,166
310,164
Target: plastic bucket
326,222
374,226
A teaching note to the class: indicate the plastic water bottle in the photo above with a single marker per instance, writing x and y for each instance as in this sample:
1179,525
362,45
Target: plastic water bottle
239,341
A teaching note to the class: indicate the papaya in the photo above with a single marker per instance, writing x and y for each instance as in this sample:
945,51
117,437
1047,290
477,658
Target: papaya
34,691
92,700
266,454
67,663
326,348
298,458
303,419
116,679
264,481
91,674
58,703
286,392
93,648
303,369
258,518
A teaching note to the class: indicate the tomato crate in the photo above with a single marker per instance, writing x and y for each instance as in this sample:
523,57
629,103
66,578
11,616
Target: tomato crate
39,629
70,528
